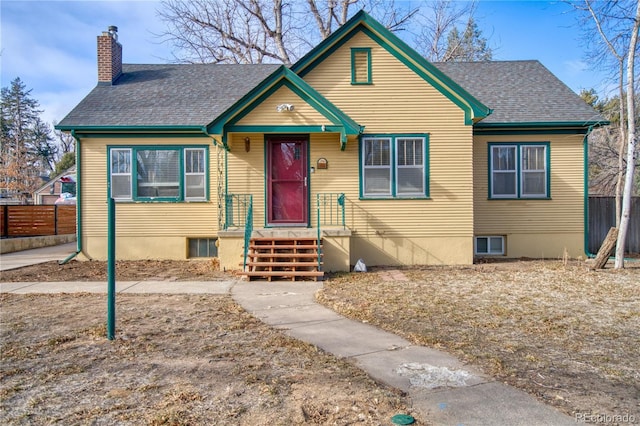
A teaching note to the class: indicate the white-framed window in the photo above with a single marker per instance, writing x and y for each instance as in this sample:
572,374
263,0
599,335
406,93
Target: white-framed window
519,170
410,179
120,168
489,245
377,167
158,173
394,166
194,174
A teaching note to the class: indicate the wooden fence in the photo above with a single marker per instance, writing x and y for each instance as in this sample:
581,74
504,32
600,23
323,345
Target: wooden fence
602,216
31,221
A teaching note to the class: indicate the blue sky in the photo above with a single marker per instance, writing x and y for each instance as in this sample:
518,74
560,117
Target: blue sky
51,45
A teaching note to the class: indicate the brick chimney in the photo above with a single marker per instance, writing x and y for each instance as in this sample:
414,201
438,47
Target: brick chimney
109,56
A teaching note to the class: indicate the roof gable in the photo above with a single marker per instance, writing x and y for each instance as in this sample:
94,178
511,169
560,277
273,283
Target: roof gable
228,121
473,108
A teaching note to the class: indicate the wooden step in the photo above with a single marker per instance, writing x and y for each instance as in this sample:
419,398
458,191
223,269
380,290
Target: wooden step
291,275
284,264
283,255
282,246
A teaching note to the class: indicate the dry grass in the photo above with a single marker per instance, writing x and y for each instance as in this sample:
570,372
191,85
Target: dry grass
177,360
568,335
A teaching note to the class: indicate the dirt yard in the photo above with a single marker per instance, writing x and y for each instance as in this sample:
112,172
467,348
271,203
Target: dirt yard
568,335
176,360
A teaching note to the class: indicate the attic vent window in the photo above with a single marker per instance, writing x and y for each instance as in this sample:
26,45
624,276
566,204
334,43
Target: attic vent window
360,65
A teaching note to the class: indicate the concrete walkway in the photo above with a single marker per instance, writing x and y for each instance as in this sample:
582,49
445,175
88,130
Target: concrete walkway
19,259
440,388
445,391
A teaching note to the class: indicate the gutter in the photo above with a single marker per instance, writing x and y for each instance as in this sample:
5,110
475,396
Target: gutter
78,203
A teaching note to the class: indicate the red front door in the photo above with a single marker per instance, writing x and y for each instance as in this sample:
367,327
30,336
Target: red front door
287,190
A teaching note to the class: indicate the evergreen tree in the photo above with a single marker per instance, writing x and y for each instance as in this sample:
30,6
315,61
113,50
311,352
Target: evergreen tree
470,47
26,147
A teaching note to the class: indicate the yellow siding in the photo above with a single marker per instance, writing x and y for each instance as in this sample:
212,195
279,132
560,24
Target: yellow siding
152,230
399,101
536,228
435,230
267,114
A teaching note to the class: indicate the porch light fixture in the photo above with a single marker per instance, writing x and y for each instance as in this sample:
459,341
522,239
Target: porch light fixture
284,107
247,144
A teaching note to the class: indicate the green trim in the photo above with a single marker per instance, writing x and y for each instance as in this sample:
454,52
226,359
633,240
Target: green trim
266,183
513,132
518,148
226,122
541,124
134,129
393,138
585,190
354,54
78,193
181,198
141,135
361,21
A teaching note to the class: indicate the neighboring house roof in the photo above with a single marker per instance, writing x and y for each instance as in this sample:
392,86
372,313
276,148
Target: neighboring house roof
166,95
520,92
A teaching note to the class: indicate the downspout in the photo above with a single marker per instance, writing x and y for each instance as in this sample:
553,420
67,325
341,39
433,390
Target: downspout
78,203
585,154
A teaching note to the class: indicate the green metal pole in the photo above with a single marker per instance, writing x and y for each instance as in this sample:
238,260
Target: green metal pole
111,271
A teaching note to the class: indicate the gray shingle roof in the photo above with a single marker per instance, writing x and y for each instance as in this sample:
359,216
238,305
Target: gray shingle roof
195,94
167,95
519,92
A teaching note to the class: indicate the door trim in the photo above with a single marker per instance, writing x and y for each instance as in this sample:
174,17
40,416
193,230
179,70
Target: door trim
268,139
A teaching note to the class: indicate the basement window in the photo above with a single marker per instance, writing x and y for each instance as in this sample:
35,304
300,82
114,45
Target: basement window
203,247
493,245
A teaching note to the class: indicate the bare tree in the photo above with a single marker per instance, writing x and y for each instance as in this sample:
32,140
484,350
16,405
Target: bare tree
602,23
439,18
631,148
262,31
617,24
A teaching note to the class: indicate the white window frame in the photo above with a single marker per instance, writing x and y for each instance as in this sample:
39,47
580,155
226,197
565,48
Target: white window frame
523,172
394,168
203,173
519,171
132,152
414,166
366,167
489,252
129,173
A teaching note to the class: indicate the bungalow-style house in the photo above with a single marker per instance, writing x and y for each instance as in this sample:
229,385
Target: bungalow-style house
58,189
362,147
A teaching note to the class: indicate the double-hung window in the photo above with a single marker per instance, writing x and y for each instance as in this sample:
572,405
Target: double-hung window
519,170
146,173
394,166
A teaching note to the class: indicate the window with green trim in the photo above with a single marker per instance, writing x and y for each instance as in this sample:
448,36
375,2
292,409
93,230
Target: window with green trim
394,166
519,170
158,173
361,65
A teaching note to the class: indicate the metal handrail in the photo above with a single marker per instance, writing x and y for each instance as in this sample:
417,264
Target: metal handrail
248,230
235,209
331,209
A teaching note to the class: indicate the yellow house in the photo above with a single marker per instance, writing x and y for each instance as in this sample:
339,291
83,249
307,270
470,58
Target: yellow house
361,150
